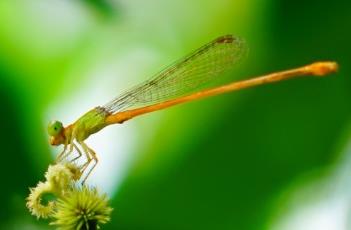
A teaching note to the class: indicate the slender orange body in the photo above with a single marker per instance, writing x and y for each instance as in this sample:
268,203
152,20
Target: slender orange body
316,69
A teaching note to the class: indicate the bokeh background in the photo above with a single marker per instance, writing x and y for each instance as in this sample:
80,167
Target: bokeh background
273,157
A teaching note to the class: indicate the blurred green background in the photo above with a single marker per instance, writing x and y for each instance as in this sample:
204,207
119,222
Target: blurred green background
271,157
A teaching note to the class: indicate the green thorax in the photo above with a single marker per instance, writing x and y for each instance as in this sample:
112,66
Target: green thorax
90,123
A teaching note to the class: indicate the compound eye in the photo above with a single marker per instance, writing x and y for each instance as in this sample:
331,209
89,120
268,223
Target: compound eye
55,128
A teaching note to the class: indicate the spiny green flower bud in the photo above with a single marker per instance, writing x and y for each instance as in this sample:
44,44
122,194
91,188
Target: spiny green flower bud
60,178
35,199
82,208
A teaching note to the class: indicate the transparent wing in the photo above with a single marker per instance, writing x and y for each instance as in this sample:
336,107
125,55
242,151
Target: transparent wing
184,76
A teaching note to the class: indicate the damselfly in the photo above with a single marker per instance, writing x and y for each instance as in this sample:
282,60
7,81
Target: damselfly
181,82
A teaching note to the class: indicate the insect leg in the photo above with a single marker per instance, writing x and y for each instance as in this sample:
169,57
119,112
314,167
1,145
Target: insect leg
61,155
93,155
89,159
79,152
66,153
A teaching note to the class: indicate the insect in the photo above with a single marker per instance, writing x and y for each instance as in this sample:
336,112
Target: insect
181,82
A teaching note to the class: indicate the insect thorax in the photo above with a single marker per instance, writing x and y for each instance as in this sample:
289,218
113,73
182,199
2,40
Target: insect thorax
90,123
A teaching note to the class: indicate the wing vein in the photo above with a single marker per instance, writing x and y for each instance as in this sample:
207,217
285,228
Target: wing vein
184,76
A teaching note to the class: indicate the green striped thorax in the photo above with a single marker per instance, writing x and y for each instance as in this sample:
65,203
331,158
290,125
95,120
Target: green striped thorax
91,122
